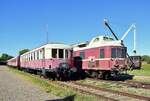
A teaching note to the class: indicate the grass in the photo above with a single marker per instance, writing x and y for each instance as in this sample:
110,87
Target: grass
117,87
142,75
51,87
145,71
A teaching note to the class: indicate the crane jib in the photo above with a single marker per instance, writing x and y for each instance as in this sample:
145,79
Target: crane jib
118,39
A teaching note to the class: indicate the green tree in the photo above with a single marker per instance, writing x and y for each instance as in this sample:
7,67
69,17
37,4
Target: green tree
5,57
23,51
146,58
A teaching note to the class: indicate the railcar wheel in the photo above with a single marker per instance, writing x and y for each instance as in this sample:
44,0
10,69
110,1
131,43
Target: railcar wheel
100,75
107,76
72,74
94,74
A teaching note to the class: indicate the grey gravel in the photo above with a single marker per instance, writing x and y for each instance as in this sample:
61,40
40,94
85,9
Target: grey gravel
13,88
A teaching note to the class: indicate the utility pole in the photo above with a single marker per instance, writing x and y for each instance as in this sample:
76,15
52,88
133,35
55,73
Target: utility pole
47,40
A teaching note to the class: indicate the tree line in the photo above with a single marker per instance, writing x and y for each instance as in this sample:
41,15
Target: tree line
146,58
4,57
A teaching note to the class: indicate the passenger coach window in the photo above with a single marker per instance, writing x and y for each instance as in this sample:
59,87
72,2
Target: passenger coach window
34,55
66,53
61,53
37,55
82,55
54,53
102,53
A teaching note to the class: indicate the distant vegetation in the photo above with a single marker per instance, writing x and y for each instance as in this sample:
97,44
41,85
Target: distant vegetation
4,57
23,51
146,58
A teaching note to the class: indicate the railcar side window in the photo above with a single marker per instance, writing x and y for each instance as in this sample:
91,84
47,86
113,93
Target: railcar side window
82,55
66,53
31,57
40,54
28,57
61,53
34,55
102,53
43,53
54,53
113,53
37,55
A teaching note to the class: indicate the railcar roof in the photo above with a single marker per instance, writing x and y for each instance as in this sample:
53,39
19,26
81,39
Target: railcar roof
12,58
98,42
50,45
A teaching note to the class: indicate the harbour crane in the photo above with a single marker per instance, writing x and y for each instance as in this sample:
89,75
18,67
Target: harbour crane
135,60
134,40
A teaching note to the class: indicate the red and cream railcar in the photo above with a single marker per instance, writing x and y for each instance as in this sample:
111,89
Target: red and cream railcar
48,56
13,62
101,56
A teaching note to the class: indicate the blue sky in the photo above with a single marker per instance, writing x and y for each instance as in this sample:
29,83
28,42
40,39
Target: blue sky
22,22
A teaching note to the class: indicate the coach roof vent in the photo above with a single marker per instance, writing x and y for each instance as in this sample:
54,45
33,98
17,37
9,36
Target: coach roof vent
100,39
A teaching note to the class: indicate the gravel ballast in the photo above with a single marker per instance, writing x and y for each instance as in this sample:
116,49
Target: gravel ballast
13,88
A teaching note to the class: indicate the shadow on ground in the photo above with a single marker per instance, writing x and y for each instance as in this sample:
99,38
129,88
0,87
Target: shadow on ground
123,77
68,98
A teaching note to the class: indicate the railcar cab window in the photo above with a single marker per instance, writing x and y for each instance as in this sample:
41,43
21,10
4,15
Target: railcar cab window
102,53
113,53
124,51
118,53
82,55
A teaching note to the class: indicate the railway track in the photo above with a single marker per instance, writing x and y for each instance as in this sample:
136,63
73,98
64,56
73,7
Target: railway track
78,88
138,84
116,92
85,90
104,93
128,83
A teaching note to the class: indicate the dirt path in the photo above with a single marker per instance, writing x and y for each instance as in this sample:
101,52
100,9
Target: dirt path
13,88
